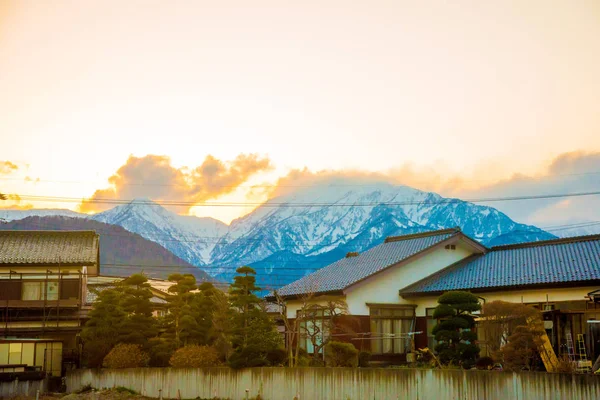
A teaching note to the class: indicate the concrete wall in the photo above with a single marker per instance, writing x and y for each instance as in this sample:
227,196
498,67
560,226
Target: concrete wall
341,383
21,388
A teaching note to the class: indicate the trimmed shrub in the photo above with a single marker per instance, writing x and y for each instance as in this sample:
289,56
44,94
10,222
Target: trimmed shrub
195,356
338,354
484,363
364,359
277,357
126,356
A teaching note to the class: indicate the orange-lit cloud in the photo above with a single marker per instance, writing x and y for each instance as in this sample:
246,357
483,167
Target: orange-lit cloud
154,177
6,167
14,202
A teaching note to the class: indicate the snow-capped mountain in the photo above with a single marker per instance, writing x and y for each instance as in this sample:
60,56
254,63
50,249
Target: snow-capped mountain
8,214
323,218
584,229
188,237
296,233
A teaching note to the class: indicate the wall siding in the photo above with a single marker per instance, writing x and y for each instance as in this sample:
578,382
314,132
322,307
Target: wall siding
341,383
384,286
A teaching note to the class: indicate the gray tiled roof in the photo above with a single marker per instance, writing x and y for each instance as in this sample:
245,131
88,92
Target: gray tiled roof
48,247
548,262
92,297
348,271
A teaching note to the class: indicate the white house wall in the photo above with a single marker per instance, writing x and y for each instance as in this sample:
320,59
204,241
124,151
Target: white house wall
384,286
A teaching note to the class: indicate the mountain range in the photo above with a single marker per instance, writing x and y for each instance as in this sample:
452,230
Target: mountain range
295,233
122,252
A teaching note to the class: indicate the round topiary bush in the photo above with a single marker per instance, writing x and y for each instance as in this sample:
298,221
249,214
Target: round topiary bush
195,356
338,354
126,356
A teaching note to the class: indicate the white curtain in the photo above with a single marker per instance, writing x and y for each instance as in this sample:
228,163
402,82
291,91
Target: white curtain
32,291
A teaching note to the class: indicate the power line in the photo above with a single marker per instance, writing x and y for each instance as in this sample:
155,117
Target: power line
308,204
185,184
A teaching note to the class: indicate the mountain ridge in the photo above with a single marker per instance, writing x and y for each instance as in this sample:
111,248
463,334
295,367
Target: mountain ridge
313,226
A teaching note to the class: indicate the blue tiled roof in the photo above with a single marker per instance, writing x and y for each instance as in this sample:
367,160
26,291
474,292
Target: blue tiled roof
548,262
350,270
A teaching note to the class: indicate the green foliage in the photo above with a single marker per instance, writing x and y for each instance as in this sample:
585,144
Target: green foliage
121,314
104,328
122,389
484,363
338,354
194,356
444,311
126,356
189,318
253,332
456,340
139,325
364,359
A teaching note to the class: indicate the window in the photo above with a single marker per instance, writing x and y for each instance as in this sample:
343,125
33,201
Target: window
40,291
431,322
390,326
314,328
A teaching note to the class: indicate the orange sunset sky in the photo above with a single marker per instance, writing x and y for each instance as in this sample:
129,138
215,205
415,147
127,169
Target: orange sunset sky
199,101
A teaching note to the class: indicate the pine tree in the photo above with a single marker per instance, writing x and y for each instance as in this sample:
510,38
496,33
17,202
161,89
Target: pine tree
254,333
457,341
186,322
139,326
104,329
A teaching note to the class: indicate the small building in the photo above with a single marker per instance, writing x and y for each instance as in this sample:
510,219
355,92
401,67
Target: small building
43,279
391,290
158,287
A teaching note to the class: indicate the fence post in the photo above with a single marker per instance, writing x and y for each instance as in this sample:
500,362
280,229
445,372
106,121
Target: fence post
247,391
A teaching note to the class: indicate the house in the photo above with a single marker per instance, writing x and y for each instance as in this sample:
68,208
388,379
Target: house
43,278
159,289
391,290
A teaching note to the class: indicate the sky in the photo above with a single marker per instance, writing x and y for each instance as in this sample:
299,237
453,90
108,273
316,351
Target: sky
198,101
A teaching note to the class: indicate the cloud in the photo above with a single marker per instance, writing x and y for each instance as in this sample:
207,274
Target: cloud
14,202
6,167
567,173
154,177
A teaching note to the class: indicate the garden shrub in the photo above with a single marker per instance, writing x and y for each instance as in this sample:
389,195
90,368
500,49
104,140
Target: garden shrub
338,354
194,356
484,363
126,356
277,357
364,359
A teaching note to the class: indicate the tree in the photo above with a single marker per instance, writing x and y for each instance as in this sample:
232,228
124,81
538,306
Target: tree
499,320
181,322
139,326
254,333
104,329
318,322
3,196
457,342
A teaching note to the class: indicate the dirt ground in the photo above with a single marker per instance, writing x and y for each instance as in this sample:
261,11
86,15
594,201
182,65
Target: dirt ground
111,394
